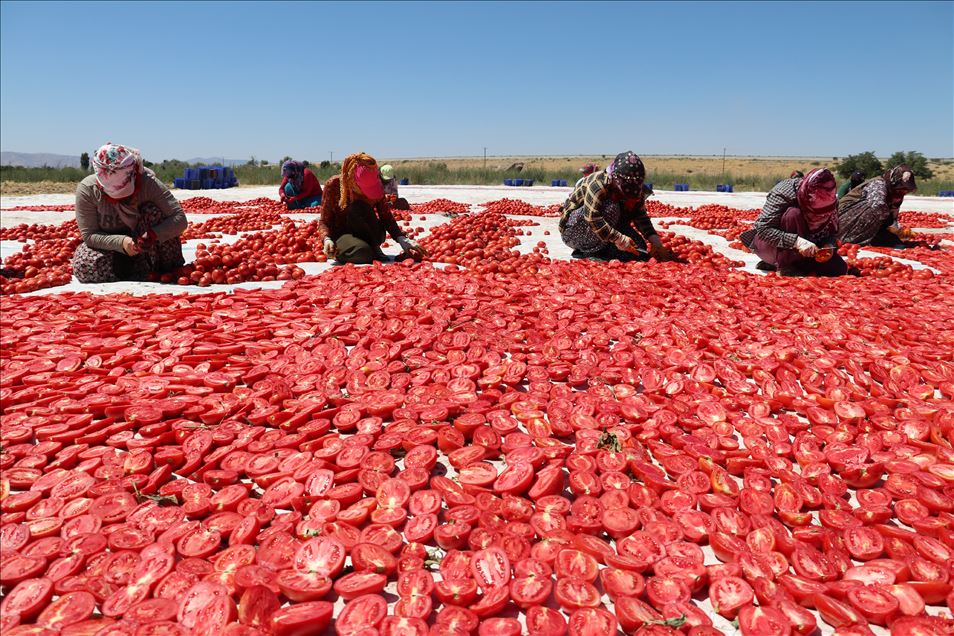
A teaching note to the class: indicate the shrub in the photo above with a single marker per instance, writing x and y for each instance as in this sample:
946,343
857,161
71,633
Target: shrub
914,160
866,162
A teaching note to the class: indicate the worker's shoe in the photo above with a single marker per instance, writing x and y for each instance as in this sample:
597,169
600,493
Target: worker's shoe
765,267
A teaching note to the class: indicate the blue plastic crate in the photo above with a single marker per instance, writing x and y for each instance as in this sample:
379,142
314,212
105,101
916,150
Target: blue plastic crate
528,183
405,181
518,182
555,183
207,184
720,188
563,183
178,182
728,187
508,182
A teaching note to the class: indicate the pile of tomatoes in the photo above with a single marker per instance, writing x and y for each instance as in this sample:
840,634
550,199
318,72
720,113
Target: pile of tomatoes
687,250
588,448
39,232
45,263
205,205
41,208
521,208
923,219
881,266
440,206
242,220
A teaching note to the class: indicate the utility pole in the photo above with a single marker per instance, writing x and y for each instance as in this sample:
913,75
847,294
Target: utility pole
723,162
485,157
331,156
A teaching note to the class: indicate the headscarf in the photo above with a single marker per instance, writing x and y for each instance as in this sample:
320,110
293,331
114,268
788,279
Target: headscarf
817,200
117,168
627,173
294,171
387,172
589,169
360,178
900,179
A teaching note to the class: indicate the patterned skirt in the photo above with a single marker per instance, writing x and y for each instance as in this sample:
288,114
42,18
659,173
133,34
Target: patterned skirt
105,266
578,234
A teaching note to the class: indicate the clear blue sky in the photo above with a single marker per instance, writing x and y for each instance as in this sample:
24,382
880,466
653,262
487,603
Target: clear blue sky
235,79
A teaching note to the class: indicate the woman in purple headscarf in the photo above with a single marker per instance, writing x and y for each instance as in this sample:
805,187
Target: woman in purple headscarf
605,216
300,187
128,219
795,232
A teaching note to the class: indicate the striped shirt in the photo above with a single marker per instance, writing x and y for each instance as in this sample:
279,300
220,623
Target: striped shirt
768,225
591,193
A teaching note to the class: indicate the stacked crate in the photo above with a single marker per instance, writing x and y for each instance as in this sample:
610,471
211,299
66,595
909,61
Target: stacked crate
206,178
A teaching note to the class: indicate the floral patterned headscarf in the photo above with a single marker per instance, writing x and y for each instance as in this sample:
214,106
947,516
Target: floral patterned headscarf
117,168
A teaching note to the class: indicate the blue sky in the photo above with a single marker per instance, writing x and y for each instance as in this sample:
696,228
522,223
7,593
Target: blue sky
236,79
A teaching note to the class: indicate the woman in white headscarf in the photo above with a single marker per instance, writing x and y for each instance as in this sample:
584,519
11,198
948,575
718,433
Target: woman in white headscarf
128,219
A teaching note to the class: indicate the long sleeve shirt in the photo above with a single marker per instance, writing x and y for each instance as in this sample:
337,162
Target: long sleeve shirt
591,195
862,215
104,223
310,187
768,224
333,221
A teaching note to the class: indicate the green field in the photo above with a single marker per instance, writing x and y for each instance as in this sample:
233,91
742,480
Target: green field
752,176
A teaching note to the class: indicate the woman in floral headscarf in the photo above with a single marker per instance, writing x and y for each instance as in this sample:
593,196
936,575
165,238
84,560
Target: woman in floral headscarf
355,215
598,218
300,188
795,232
128,219
868,214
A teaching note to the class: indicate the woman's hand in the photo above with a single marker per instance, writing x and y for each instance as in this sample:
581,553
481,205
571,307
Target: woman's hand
657,250
411,247
626,244
805,247
130,247
328,246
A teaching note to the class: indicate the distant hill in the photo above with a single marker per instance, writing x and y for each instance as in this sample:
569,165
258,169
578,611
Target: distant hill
39,160
46,159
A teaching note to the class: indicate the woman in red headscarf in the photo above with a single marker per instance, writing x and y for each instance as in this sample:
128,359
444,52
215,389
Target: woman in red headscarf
128,219
795,232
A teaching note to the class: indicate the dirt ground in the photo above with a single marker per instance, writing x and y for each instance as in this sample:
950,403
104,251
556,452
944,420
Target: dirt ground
15,189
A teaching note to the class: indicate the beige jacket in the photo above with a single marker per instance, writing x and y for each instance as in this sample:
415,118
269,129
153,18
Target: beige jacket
104,224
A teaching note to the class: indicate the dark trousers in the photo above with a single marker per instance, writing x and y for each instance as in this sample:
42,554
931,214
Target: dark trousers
361,242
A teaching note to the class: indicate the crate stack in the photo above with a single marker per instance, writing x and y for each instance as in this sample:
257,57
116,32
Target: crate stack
206,178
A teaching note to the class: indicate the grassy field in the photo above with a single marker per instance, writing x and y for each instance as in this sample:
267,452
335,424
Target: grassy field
757,174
